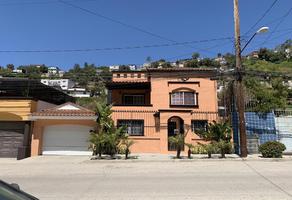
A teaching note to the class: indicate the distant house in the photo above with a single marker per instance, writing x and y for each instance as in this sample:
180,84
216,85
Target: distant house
78,92
17,71
254,54
64,84
114,67
221,60
53,70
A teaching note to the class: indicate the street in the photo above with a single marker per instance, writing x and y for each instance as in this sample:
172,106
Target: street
78,178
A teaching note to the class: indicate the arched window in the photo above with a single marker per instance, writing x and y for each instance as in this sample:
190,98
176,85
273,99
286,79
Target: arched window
183,97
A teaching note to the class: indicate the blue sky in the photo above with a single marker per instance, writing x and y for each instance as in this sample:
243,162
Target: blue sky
49,25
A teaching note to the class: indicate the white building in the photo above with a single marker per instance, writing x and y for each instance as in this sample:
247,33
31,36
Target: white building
17,71
53,70
114,67
133,67
64,84
78,92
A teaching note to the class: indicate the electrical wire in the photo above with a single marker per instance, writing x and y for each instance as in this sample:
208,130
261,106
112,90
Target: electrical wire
114,48
262,17
123,23
278,25
37,2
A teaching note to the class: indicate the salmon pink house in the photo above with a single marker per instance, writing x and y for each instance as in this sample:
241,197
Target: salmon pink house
155,104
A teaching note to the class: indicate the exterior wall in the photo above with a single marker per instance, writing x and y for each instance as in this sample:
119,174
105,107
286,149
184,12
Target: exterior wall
155,139
117,95
16,110
38,128
131,76
206,89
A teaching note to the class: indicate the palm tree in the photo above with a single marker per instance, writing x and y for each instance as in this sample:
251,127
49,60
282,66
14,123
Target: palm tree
190,146
106,137
126,144
219,133
216,131
178,141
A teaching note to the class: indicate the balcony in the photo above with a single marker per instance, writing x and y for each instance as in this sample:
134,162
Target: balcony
132,94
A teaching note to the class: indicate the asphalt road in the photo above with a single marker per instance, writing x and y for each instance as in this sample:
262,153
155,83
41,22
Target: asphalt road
77,178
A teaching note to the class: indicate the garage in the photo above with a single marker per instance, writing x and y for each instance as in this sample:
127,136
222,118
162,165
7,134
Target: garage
62,130
11,138
66,140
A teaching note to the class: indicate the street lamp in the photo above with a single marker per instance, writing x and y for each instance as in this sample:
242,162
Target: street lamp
263,29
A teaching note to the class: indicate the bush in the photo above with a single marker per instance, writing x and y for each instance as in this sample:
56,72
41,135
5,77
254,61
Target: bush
224,148
272,149
210,149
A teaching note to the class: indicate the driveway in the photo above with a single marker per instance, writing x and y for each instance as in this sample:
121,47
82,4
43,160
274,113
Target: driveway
78,178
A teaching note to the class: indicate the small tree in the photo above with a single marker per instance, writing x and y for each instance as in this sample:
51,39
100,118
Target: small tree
126,143
216,131
106,137
224,147
190,146
178,141
219,134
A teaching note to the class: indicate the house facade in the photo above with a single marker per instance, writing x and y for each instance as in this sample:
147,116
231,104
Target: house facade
155,104
19,98
62,130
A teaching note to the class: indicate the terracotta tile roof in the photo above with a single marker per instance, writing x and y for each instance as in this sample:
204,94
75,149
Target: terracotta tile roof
68,109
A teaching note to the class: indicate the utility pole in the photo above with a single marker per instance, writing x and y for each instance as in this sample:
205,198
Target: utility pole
239,84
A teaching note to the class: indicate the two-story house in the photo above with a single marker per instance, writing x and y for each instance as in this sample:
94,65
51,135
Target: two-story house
155,104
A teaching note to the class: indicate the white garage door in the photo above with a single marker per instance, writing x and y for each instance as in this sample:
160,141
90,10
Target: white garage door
66,140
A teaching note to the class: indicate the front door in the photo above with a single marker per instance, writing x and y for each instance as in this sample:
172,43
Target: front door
171,132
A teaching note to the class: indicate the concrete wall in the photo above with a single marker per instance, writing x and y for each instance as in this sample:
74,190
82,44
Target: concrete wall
38,128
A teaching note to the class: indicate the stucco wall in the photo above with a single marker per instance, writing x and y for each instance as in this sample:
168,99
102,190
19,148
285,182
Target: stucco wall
206,89
38,128
16,110
155,139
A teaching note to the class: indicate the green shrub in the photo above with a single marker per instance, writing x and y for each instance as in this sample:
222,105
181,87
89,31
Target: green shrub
272,149
198,149
224,147
210,149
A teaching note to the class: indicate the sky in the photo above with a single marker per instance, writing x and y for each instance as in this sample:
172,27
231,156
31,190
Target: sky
106,24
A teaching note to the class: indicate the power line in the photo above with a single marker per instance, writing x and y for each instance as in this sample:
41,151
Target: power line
114,48
278,25
121,23
262,17
37,2
115,21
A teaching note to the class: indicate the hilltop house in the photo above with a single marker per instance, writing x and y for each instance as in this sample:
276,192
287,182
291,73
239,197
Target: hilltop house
156,104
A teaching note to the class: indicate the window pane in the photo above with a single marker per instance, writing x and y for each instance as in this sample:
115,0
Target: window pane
177,98
199,125
182,98
134,100
189,98
134,127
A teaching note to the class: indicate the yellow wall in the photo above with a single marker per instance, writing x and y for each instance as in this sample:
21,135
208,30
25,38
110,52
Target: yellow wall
16,110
